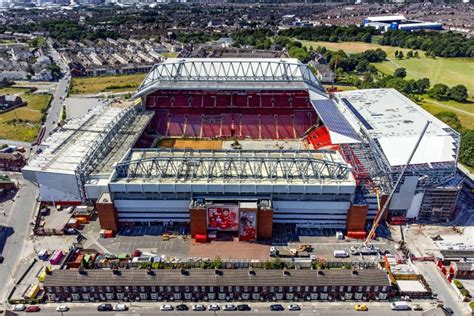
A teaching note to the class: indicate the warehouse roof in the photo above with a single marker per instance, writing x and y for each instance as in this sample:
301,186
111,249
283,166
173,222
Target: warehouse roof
395,122
234,277
230,73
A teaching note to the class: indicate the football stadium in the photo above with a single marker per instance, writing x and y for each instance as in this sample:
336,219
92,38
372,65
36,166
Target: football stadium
233,146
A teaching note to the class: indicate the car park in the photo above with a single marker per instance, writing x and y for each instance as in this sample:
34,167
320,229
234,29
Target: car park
120,308
229,308
276,307
62,308
243,308
294,307
104,307
166,308
32,309
182,307
213,307
199,308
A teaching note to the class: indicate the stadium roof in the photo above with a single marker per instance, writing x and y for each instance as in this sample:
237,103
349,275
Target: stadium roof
340,130
230,166
396,122
230,73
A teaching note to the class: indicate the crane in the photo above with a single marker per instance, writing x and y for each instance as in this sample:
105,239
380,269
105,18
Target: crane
380,212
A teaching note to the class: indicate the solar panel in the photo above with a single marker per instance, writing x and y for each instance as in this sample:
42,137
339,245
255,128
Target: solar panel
333,119
357,114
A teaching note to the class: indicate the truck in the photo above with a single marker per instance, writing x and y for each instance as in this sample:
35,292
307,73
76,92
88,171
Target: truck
284,252
399,306
340,254
365,250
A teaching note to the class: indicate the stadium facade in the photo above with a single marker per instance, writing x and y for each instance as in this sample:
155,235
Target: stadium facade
287,152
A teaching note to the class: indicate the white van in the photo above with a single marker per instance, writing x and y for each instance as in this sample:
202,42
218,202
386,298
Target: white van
340,254
399,306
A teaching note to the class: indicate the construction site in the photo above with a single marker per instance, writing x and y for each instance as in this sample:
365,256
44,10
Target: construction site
230,148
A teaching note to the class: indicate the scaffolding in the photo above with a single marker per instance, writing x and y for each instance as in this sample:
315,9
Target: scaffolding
246,166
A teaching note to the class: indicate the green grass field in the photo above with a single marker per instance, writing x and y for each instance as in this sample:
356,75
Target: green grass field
92,85
31,114
434,107
450,71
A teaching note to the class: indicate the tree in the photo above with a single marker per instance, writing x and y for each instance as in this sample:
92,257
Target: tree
400,55
410,54
396,54
416,54
450,119
467,148
400,73
362,66
458,93
439,92
421,85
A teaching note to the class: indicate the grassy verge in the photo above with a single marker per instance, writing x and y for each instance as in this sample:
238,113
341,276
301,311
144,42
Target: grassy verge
106,84
22,124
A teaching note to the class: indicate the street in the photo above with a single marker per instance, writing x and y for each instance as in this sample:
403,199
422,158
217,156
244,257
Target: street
440,285
58,97
16,222
19,210
318,308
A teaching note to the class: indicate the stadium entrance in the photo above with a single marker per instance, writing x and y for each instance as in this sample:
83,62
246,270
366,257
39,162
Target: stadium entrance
226,220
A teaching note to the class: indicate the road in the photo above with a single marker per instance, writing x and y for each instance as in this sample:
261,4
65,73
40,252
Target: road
440,285
262,309
20,211
14,235
59,95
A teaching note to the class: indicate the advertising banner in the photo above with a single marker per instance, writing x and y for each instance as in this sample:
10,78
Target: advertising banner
225,218
248,225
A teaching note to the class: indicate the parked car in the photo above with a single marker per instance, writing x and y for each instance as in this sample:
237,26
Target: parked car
1,259
277,307
229,308
104,307
417,307
182,307
166,308
62,308
120,307
19,307
32,309
243,308
361,307
294,307
448,310
199,308
213,307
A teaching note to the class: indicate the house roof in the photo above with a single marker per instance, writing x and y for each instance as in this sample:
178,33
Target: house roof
200,277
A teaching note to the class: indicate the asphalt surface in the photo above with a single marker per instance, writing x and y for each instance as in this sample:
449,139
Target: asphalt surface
19,213
59,95
440,285
15,232
260,310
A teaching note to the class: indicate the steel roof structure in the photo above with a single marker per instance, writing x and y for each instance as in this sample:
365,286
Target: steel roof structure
259,73
222,166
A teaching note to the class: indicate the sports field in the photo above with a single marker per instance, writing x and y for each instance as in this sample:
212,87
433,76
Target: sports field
190,143
91,85
22,124
450,71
